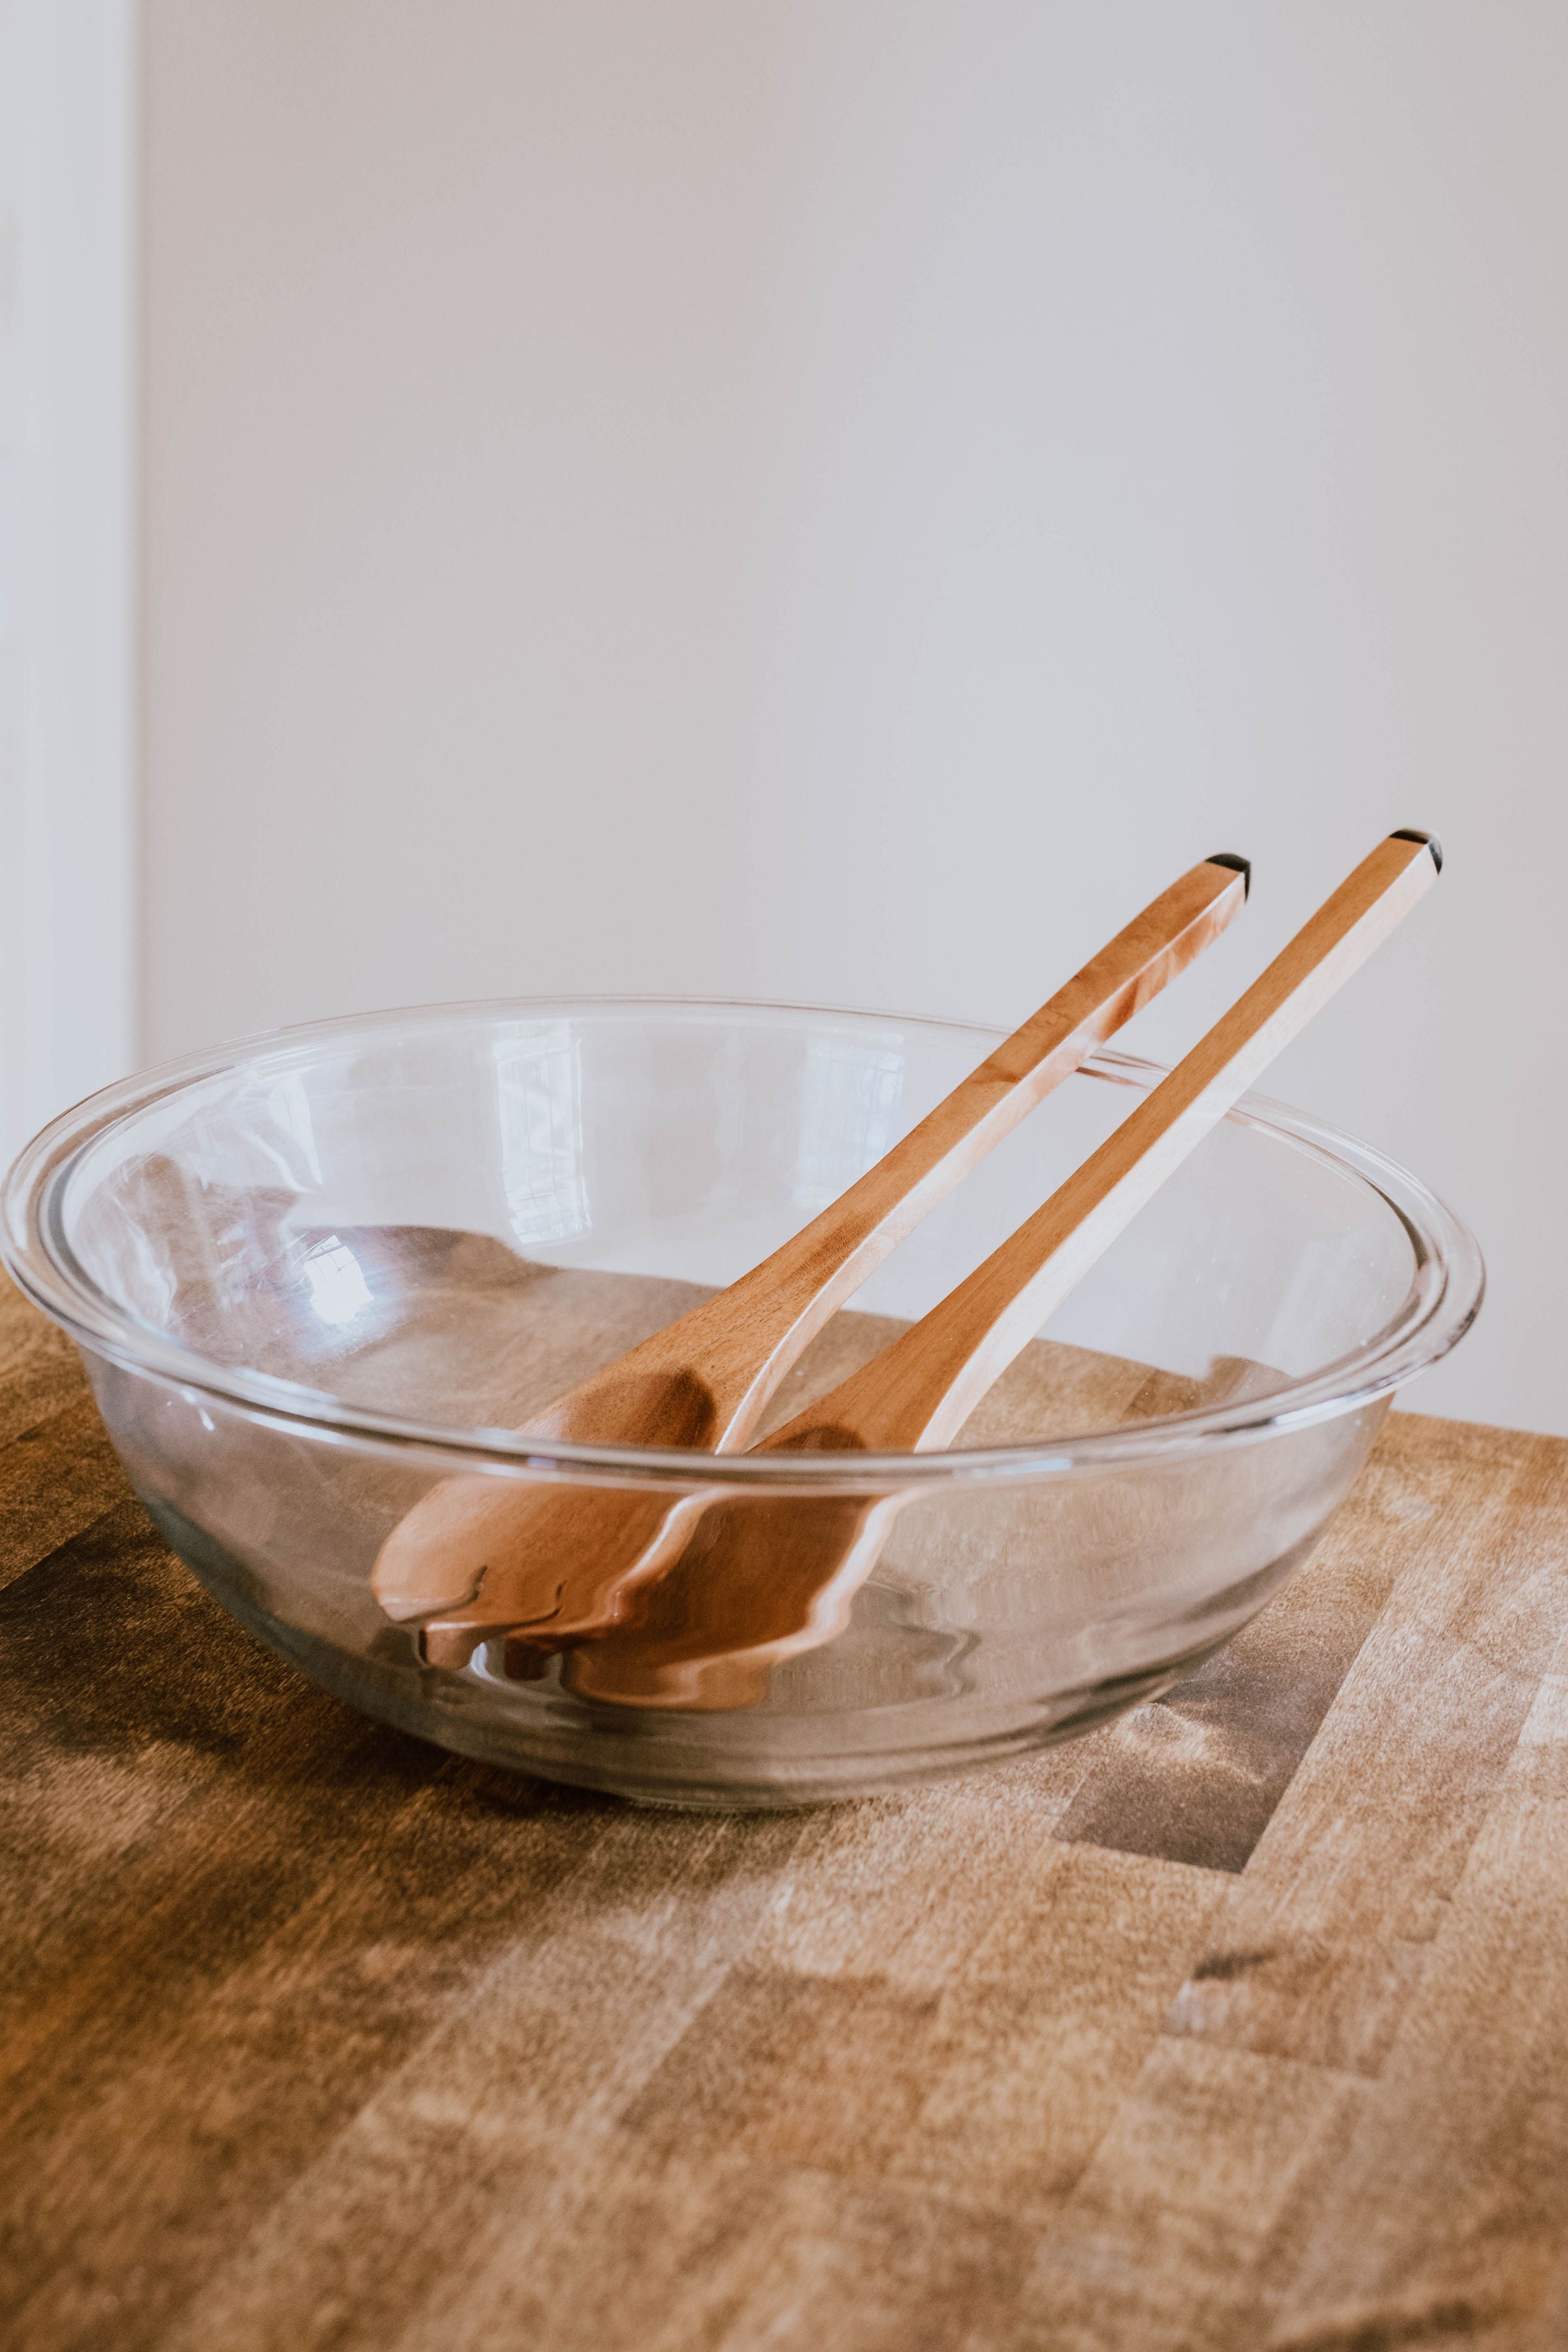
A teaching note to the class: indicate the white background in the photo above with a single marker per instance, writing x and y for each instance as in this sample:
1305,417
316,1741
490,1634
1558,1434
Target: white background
846,498
69,870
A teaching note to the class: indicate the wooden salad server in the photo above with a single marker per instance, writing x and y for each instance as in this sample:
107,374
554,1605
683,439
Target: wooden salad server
517,1553
762,1580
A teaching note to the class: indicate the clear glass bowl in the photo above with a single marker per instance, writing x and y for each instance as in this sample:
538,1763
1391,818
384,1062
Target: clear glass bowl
314,1275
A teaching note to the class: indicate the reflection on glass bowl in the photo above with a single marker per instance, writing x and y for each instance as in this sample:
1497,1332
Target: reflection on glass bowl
315,1275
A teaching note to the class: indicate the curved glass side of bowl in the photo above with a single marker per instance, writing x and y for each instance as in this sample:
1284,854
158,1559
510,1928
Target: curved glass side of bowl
319,1278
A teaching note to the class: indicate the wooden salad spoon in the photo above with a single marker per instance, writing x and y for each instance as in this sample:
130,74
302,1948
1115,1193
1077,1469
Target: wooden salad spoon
766,1578
517,1553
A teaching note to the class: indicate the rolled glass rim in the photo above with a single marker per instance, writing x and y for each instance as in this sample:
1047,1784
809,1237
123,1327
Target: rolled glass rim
1443,1300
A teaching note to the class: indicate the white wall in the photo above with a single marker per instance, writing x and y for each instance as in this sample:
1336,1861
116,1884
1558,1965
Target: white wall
845,498
68,686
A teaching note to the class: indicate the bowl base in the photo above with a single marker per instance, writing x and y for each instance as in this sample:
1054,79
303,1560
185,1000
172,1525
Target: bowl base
660,1758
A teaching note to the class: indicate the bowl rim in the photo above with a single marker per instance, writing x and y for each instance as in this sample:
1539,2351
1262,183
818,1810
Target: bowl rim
1444,1298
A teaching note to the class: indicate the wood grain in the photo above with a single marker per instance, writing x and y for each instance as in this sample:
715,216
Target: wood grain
1239,2026
705,1379
58,1470
922,1390
726,1594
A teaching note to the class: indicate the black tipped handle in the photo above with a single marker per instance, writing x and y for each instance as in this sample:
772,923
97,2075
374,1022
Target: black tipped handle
1242,865
1409,833
919,1392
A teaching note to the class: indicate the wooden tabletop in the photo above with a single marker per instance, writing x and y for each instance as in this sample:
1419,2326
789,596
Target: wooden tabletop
1243,2022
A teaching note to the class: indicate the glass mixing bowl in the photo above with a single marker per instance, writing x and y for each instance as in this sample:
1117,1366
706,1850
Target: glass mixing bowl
314,1275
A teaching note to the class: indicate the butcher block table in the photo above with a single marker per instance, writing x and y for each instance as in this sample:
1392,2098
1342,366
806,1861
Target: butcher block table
1242,2022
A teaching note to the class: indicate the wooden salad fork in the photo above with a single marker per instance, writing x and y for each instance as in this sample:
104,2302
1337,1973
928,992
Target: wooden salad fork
504,1553
763,1580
